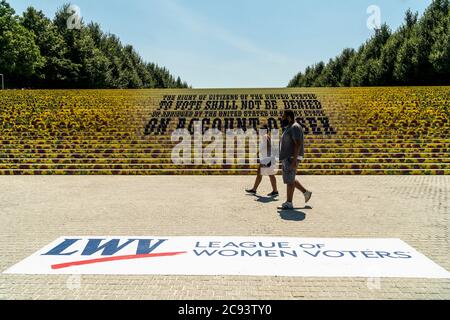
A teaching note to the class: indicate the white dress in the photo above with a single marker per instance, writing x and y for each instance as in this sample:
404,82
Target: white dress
272,169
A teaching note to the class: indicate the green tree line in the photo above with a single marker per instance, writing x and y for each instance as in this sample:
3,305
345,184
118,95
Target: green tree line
36,52
418,53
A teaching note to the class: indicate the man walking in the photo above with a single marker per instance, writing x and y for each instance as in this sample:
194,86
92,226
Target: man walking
292,151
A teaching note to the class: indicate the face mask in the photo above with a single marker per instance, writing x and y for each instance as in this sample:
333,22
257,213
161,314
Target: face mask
285,123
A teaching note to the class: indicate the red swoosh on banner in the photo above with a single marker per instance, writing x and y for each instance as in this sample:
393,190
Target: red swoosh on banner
129,257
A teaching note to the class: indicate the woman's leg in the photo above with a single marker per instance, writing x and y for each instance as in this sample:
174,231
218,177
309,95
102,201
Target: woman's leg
273,182
258,180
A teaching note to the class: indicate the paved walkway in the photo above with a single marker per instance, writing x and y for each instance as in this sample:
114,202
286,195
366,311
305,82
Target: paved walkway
35,210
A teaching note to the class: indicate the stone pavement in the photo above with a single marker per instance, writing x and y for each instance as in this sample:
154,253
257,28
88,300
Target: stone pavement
35,210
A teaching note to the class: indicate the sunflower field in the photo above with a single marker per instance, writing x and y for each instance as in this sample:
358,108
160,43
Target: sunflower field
382,131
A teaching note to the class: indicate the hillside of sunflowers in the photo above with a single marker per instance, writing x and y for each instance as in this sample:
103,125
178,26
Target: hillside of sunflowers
376,131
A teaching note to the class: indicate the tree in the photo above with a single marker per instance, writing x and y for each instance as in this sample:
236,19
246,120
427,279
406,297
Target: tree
56,67
350,69
19,55
38,52
391,49
368,71
439,55
417,53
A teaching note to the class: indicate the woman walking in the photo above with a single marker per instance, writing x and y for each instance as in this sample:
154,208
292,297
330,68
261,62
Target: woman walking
267,165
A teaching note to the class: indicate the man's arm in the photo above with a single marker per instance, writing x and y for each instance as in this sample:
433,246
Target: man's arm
297,145
297,139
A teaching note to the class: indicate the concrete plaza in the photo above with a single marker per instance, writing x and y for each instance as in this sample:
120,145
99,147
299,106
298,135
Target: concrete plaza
35,210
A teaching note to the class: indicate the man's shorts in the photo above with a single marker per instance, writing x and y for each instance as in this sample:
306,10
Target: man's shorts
288,173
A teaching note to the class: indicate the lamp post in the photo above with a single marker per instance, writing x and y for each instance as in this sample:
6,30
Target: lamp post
3,82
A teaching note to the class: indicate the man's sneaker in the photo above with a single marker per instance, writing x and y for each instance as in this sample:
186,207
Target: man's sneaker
251,191
273,194
287,206
307,195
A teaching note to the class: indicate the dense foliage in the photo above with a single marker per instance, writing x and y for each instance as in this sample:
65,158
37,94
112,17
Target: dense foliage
36,52
418,53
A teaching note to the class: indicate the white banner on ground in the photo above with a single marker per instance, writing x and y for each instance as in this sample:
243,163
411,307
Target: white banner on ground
251,256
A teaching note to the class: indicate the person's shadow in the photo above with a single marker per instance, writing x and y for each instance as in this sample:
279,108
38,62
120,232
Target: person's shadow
265,199
262,199
293,214
288,215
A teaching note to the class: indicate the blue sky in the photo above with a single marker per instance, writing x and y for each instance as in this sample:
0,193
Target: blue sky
235,43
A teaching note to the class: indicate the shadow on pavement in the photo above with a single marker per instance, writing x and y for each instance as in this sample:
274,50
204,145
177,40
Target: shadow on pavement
292,215
266,199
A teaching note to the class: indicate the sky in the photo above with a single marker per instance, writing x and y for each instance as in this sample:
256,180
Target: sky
236,43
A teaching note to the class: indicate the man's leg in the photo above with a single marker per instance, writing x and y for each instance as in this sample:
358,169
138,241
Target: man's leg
305,192
299,186
289,181
290,192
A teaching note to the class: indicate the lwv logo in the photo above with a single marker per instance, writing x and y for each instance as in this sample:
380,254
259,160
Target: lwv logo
108,250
